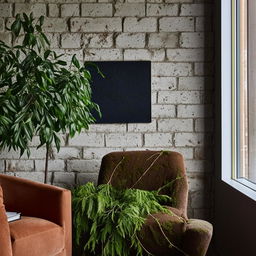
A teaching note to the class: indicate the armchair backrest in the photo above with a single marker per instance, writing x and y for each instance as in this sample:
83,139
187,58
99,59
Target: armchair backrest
125,170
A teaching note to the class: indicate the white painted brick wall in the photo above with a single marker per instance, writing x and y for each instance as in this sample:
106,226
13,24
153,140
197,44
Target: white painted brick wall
176,36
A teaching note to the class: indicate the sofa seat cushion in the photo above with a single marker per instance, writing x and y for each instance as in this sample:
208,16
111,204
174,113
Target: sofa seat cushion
33,236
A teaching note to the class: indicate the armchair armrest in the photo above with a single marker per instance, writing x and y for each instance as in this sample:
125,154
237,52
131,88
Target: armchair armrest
5,239
197,237
39,200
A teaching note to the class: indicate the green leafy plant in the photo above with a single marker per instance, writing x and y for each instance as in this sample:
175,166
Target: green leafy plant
40,94
107,220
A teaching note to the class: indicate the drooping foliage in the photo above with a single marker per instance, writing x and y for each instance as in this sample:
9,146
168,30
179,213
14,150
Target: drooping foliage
40,94
107,220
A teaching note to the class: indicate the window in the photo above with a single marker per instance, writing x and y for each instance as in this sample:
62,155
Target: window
238,94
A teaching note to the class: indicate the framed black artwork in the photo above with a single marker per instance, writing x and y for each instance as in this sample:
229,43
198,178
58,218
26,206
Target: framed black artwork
124,95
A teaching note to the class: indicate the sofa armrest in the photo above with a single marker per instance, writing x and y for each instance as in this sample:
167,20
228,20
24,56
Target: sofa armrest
39,200
5,238
197,237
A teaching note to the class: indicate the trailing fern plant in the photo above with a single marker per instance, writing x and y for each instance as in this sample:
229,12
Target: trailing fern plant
107,220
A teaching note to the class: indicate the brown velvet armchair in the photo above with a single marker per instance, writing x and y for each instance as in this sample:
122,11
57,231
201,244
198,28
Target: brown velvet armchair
190,237
44,229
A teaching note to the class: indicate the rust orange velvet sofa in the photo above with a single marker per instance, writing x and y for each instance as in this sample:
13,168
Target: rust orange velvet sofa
45,227
191,237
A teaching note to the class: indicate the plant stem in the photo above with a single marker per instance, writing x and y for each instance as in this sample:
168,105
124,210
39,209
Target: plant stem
110,179
46,164
167,239
145,172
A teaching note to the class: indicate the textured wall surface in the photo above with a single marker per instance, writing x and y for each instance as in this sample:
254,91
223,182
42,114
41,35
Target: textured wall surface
176,35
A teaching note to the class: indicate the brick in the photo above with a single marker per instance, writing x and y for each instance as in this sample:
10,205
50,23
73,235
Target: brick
195,83
149,127
163,83
2,166
163,111
83,165
88,140
36,140
71,40
69,10
67,153
195,9
163,40
196,182
107,128
53,165
175,125
83,178
103,54
68,54
186,152
190,139
53,10
136,1
204,69
179,1
55,25
6,37
154,1
37,9
99,40
5,10
162,9
123,140
194,111
97,153
153,97
129,9
34,176
140,24
19,165
176,24
97,10
199,199
180,97
64,177
204,153
204,125
158,139
196,40
204,24
188,55
2,25
131,40
144,54
198,166
54,39
171,69
96,25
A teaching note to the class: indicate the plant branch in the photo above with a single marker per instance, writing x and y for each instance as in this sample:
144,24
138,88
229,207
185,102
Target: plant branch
145,172
110,179
167,239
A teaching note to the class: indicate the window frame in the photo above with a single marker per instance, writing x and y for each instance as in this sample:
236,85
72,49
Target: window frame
228,101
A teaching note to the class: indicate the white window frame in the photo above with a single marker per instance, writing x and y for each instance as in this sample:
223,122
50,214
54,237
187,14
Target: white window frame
228,163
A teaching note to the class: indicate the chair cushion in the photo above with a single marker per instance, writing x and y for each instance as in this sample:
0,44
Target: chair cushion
33,236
